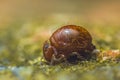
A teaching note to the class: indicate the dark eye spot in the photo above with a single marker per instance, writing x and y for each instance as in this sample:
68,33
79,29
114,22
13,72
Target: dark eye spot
46,46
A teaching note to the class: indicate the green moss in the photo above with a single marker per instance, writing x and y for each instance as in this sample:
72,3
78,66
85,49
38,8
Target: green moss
21,53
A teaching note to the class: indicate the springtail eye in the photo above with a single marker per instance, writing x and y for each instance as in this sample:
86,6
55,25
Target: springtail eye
46,46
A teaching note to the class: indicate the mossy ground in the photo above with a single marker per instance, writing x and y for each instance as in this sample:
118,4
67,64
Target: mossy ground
21,53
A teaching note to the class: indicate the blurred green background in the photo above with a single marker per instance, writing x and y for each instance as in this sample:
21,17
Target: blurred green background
26,24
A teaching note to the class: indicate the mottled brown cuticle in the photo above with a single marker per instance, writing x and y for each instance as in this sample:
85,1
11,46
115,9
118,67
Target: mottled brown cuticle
69,39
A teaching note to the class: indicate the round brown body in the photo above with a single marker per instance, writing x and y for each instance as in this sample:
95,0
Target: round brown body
68,39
